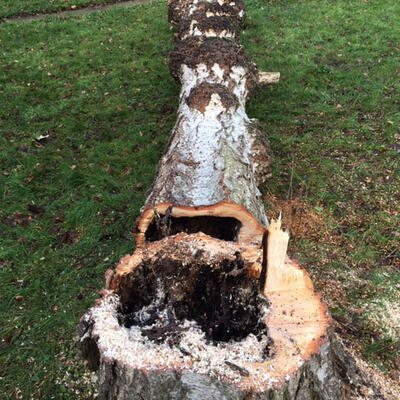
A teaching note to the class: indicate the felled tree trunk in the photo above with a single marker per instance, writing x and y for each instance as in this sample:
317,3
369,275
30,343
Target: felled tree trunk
209,306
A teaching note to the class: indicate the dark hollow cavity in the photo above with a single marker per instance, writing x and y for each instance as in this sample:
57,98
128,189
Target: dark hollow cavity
223,228
221,300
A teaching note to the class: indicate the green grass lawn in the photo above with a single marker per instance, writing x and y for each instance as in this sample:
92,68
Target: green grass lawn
87,105
22,7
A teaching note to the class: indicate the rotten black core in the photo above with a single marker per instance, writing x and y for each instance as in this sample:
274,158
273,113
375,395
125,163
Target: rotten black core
223,228
222,299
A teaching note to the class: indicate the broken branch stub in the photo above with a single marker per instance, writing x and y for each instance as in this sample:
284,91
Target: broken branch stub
205,308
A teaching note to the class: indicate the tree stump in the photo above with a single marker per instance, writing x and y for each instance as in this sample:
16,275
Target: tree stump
209,306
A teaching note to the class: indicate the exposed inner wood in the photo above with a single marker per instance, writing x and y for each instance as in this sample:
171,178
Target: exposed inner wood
279,277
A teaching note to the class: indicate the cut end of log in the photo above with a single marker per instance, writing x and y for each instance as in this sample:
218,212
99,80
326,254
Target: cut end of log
190,304
225,221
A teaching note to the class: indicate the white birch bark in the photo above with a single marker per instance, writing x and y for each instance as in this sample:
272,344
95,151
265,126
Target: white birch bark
215,149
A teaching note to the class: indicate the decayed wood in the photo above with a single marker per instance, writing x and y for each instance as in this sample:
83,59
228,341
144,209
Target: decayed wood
209,306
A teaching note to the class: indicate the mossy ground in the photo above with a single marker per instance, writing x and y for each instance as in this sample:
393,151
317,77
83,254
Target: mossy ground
87,105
